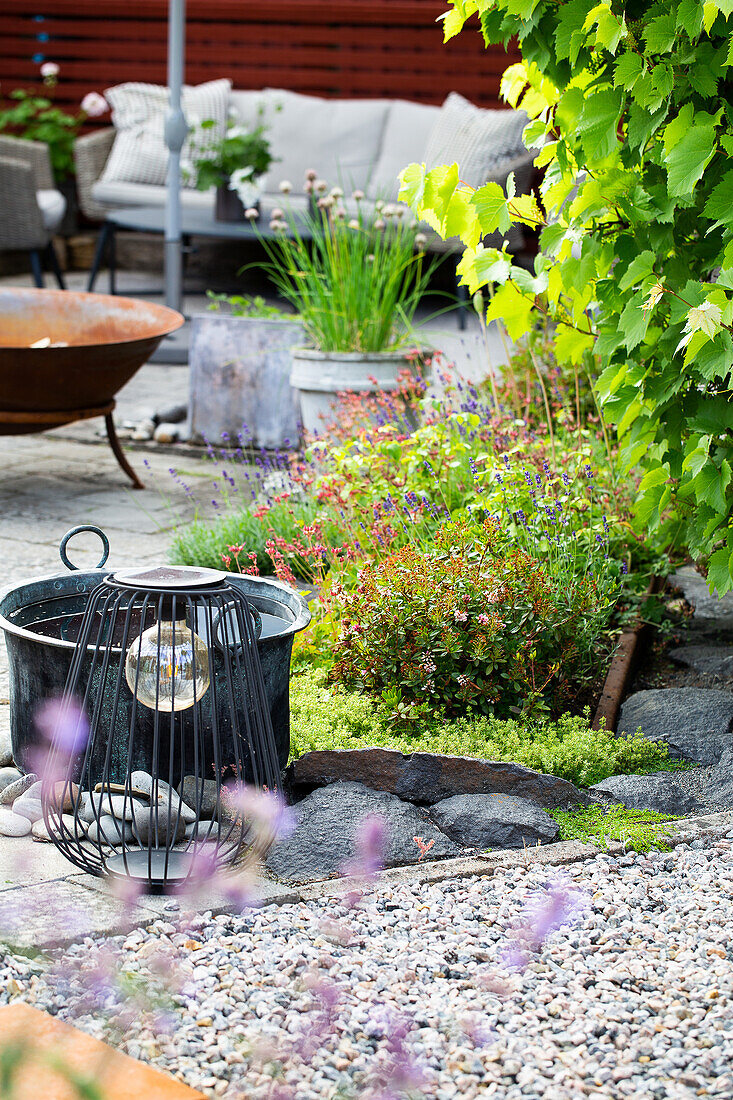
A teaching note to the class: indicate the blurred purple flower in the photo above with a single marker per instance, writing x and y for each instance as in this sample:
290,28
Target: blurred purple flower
63,724
544,913
371,845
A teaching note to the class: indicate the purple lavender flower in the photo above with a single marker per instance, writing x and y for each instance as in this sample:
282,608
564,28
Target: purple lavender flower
63,723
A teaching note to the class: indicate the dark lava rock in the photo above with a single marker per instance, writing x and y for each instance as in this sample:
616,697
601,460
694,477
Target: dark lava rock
493,821
425,778
695,722
191,789
663,792
708,660
327,822
712,614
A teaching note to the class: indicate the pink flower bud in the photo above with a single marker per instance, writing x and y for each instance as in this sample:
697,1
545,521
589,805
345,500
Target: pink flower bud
311,175
251,212
93,104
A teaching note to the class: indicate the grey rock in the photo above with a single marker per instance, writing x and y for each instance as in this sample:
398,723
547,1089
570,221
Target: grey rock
40,832
110,831
493,821
712,614
171,414
144,430
13,824
663,792
16,789
720,781
8,776
695,722
159,828
328,820
28,807
166,433
425,778
62,791
207,791
6,749
708,660
143,781
115,805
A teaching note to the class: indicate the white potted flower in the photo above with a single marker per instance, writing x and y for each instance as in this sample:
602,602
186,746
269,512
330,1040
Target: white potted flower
234,165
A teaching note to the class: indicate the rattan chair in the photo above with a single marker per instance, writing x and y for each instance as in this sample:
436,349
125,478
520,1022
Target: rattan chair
31,207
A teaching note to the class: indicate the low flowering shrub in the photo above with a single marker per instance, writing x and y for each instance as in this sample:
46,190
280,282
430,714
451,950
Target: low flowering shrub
471,624
327,716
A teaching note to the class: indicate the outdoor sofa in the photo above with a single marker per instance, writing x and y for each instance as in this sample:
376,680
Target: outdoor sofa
357,144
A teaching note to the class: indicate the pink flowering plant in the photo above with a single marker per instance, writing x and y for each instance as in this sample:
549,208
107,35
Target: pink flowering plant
34,116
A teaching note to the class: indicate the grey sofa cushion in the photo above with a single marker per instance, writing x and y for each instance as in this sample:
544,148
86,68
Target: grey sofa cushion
479,140
338,138
139,153
115,194
404,140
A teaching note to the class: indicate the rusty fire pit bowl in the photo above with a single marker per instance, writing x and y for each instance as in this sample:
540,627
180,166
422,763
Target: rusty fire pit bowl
108,339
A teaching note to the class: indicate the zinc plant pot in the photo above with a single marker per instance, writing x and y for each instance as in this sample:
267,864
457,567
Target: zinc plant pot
319,377
240,375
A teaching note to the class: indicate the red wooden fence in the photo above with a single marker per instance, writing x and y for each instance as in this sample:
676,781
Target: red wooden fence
345,48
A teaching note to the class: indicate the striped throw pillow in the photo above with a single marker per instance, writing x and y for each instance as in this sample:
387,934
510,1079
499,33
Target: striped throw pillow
139,153
480,140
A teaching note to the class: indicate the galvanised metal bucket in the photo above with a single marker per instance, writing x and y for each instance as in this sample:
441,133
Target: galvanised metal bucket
41,619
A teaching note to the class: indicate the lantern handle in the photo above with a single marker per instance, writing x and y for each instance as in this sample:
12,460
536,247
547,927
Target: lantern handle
75,531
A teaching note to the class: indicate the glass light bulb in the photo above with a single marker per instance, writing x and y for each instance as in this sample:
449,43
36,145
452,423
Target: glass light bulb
167,667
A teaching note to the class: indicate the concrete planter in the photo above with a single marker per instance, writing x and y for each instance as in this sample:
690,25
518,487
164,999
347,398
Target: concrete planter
240,368
319,376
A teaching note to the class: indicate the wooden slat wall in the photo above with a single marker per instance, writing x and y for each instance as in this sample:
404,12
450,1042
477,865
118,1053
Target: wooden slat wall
344,48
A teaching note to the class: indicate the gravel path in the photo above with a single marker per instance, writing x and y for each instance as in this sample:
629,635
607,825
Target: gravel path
635,999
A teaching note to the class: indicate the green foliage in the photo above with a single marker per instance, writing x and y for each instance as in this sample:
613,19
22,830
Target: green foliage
637,830
205,543
240,152
247,306
470,624
327,716
632,108
354,282
35,118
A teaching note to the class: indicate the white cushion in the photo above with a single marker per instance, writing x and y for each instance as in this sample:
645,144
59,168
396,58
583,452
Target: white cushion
479,140
139,153
337,138
52,205
404,141
112,193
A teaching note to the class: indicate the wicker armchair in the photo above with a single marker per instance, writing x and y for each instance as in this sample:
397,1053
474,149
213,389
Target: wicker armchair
90,156
31,208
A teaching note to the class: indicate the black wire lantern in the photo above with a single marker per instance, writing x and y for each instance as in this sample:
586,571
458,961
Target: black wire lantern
167,676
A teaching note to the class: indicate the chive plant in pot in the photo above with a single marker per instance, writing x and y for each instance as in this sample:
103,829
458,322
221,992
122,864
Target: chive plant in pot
234,165
355,279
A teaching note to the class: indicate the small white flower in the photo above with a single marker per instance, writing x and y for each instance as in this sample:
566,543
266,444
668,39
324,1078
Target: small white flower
379,224
252,213
339,213
420,240
277,214
354,224
286,187
311,175
321,186
358,196
93,105
50,68
337,192
379,204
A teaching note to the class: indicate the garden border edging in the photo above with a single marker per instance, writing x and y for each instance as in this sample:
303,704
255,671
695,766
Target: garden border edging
562,853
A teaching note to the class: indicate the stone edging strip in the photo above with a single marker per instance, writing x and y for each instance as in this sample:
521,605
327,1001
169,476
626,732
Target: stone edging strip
563,853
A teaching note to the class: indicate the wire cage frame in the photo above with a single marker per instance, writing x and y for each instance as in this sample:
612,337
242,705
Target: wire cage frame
165,698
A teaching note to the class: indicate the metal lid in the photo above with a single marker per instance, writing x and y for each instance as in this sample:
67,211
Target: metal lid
170,577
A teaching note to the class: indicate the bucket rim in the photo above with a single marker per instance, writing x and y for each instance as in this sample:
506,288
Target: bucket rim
302,617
